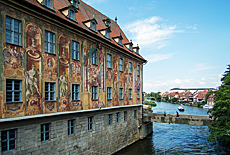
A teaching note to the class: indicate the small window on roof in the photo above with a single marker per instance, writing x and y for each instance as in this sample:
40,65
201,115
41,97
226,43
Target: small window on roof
48,3
93,26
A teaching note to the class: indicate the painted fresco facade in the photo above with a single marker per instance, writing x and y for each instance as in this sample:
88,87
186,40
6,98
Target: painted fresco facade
35,69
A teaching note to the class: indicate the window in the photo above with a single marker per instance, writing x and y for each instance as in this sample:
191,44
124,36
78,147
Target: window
130,68
94,58
75,50
138,70
109,61
48,4
131,46
13,31
49,91
120,64
93,26
109,93
13,90
94,93
49,42
135,114
8,140
70,127
90,123
117,117
71,14
120,41
75,92
107,34
45,132
138,93
125,116
109,119
121,93
130,93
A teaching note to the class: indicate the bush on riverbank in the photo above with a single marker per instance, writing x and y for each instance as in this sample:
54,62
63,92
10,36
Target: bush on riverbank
151,103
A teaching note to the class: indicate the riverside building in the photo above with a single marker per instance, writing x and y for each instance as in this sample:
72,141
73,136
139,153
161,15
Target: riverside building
71,81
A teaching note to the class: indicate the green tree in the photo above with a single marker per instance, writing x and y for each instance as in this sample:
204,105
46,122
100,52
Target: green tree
220,126
174,100
167,98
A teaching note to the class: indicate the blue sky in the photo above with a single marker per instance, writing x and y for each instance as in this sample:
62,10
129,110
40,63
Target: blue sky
186,42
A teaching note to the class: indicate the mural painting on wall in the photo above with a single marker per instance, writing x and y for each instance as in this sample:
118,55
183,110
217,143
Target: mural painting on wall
126,82
64,92
116,101
33,73
12,68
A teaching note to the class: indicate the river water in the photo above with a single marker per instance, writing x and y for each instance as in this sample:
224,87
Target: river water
176,139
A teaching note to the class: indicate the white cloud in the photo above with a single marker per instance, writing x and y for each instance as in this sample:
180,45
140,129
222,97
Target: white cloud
158,57
201,66
149,32
194,27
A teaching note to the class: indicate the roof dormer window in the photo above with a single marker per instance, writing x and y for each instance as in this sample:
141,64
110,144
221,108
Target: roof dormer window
107,22
107,33
70,12
136,49
119,39
91,24
130,45
48,3
75,3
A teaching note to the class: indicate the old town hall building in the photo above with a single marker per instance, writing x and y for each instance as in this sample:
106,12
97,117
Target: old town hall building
70,80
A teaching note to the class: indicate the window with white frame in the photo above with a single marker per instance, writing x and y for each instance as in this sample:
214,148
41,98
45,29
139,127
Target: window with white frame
75,92
93,26
13,90
70,127
49,91
117,117
45,132
90,123
94,58
138,70
109,119
125,116
109,93
138,93
121,93
13,31
8,140
120,64
94,93
49,42
75,50
109,61
130,93
130,68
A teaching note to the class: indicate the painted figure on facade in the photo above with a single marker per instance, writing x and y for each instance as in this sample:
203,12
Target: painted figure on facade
12,57
63,85
32,82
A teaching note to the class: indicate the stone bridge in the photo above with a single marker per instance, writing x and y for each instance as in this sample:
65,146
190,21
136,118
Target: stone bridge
181,119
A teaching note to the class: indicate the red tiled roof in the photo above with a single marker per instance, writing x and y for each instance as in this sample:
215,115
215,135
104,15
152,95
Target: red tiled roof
85,13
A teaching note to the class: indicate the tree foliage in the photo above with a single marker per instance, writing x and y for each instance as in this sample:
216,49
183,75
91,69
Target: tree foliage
220,127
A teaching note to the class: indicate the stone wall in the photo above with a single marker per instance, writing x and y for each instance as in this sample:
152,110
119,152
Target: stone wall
102,139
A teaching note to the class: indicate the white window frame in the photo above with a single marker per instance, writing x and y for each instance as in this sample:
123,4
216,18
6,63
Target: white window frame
44,132
75,50
109,61
11,93
130,67
94,92
75,92
121,64
71,127
11,138
49,92
90,123
109,93
94,58
13,31
49,42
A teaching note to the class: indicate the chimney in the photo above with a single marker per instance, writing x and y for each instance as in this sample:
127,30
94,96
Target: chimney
116,19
